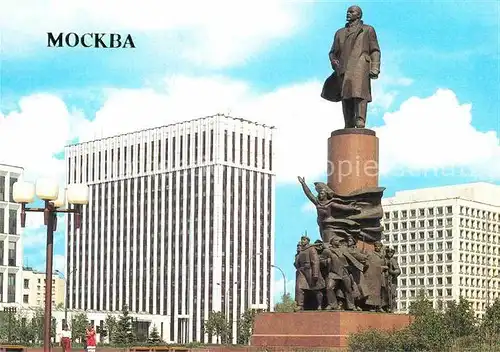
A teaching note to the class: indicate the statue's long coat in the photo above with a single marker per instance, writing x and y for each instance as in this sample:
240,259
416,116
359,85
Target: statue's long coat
307,263
357,51
374,278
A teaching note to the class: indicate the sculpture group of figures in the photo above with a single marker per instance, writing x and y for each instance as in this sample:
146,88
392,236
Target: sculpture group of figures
333,273
339,276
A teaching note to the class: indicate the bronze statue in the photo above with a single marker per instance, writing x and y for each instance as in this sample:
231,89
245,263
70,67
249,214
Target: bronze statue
308,277
332,211
391,281
341,284
374,278
359,286
355,59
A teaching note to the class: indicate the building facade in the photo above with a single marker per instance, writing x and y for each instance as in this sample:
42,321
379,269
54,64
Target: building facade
180,223
34,288
11,247
448,243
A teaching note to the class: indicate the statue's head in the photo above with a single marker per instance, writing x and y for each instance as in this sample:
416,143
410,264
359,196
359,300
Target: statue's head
304,241
377,246
389,252
351,242
319,245
354,13
335,243
324,192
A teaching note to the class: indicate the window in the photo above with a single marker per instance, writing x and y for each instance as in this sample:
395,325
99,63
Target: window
12,221
11,195
26,283
12,254
25,298
2,189
11,288
2,220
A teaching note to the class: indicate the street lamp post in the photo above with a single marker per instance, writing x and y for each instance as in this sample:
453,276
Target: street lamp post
48,191
284,278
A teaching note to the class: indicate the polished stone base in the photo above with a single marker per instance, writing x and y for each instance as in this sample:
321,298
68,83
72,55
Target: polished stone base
352,160
319,328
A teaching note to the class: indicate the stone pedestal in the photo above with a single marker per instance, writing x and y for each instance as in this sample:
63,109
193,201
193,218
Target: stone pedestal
352,160
319,328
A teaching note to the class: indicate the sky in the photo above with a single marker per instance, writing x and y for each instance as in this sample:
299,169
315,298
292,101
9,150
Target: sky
436,107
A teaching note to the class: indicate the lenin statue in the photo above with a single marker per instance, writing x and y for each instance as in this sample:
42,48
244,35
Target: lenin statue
355,59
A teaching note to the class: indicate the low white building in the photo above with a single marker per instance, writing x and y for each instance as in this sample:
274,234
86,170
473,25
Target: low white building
448,243
11,244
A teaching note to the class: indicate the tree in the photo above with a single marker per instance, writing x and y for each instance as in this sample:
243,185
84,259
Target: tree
124,334
154,337
245,326
460,318
79,324
110,326
36,325
217,325
10,327
491,319
59,306
287,305
429,326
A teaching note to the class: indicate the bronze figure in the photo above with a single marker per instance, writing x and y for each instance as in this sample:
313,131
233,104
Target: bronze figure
308,276
391,279
355,215
374,278
332,211
355,59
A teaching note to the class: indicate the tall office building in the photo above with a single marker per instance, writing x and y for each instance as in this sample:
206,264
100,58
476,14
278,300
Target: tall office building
448,243
11,248
180,223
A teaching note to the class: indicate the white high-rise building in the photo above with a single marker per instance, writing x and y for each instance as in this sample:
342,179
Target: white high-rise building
180,223
11,245
448,243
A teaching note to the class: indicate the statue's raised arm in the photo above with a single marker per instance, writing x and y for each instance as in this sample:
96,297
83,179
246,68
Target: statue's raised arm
307,191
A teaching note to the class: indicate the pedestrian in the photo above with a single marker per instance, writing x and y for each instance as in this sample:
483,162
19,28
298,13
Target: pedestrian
66,339
90,333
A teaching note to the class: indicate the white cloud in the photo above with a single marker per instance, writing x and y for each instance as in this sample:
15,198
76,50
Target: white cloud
31,136
215,33
436,133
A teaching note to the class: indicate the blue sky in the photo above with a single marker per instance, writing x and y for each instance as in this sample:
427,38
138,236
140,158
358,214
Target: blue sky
436,104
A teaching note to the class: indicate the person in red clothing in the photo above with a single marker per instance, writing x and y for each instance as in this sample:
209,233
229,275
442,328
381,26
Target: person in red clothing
90,332
66,339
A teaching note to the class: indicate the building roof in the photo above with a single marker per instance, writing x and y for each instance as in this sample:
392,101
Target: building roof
482,192
173,124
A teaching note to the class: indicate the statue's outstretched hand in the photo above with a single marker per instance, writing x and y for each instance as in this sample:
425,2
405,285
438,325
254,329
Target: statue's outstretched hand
301,179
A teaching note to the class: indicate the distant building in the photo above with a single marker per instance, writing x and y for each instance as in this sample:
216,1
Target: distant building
11,245
34,288
448,243
180,223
